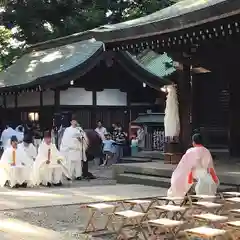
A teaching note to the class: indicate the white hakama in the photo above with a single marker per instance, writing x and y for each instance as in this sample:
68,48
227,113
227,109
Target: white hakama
15,167
73,146
52,172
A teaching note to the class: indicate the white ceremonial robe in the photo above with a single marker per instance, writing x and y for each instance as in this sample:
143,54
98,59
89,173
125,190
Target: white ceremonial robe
19,134
6,135
44,173
196,164
17,174
30,150
73,146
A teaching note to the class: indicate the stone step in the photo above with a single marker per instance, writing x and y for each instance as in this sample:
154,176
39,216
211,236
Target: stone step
131,178
135,159
150,154
165,171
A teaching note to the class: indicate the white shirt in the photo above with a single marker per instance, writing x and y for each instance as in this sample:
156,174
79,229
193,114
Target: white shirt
101,131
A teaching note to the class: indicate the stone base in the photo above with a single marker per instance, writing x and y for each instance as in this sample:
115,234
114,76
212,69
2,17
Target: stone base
172,147
172,158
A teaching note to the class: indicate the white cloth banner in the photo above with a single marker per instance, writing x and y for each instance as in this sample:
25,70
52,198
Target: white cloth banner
171,119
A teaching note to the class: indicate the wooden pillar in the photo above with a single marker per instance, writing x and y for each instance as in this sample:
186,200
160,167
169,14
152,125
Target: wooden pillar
4,101
57,100
41,110
16,100
94,109
234,113
184,91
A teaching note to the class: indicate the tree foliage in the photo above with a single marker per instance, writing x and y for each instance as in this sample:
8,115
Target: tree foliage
10,47
41,20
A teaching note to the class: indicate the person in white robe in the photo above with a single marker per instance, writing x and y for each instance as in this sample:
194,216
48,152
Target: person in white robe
27,146
73,146
48,168
6,136
15,166
20,133
194,170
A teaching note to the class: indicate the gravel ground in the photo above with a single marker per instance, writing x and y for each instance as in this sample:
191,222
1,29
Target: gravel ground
69,220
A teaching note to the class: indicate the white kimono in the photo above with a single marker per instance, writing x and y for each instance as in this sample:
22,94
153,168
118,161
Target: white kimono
6,135
196,164
19,134
48,173
74,149
30,150
16,172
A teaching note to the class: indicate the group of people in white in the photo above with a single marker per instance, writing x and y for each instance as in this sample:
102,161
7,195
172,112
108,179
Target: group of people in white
22,164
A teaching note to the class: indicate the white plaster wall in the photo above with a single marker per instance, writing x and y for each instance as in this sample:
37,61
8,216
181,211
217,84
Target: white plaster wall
76,96
48,98
10,101
111,97
29,99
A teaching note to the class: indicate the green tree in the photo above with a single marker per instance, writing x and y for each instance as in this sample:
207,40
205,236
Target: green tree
41,20
10,47
127,10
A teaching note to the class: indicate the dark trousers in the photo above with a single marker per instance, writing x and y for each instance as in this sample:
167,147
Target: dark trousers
85,169
85,172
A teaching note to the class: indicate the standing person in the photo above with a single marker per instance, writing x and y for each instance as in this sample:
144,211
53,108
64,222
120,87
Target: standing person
6,136
94,150
15,166
120,140
20,132
108,149
196,164
113,128
28,129
48,168
64,124
73,146
37,136
101,131
134,145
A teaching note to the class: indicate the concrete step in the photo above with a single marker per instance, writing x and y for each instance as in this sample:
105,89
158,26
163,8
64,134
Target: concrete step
131,178
135,159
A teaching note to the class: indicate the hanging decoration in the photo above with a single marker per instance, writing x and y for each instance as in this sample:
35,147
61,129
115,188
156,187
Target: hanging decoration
171,119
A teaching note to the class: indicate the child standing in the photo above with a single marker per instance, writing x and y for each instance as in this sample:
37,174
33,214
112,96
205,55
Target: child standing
134,145
108,148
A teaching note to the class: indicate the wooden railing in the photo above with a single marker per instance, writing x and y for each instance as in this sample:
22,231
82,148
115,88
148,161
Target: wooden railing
154,141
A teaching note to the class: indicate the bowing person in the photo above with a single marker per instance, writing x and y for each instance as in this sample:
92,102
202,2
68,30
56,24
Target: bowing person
27,146
15,166
48,168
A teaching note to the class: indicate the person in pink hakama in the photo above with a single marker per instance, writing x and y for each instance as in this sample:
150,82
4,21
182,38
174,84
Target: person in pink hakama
196,166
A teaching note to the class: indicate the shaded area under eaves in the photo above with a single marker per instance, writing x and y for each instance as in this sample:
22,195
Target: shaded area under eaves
159,64
140,72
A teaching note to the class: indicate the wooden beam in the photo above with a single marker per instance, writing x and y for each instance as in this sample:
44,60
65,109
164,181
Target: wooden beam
184,91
